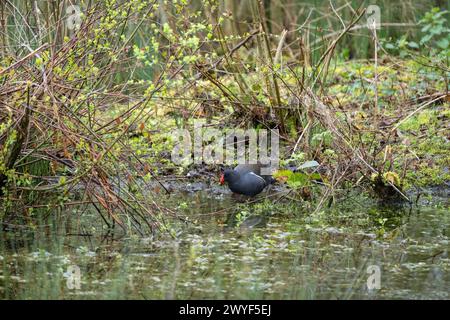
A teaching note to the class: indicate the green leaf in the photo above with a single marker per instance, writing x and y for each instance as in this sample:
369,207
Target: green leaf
443,43
426,38
297,180
283,173
62,180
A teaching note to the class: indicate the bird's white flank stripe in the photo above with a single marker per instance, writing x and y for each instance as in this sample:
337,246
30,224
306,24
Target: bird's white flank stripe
258,176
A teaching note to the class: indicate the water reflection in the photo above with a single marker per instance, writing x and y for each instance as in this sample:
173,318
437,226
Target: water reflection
234,254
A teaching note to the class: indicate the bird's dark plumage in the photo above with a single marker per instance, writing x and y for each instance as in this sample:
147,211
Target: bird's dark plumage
246,179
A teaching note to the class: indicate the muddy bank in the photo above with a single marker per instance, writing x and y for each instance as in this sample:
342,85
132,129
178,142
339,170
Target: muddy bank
193,183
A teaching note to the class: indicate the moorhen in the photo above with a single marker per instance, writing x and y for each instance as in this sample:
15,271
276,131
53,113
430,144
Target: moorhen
246,179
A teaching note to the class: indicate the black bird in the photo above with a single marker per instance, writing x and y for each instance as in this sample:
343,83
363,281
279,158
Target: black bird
246,179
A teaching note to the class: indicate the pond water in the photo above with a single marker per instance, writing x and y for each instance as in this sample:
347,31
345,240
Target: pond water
224,255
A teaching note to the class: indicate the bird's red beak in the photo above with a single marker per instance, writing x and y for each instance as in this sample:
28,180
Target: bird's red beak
222,179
